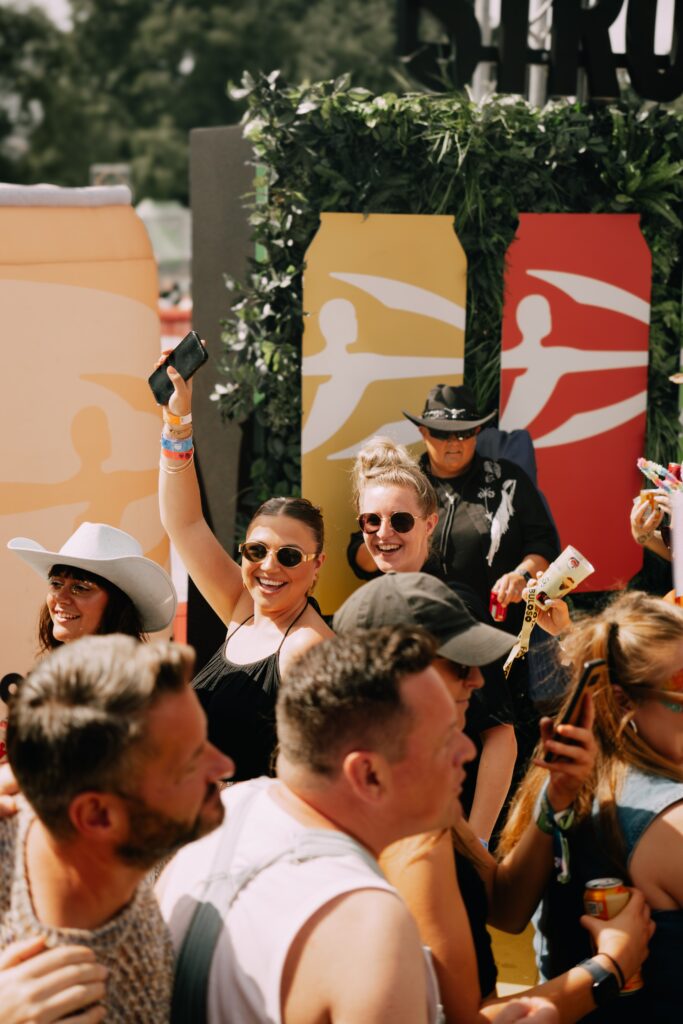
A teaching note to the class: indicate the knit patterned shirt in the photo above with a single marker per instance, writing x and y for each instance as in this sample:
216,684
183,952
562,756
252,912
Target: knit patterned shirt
134,945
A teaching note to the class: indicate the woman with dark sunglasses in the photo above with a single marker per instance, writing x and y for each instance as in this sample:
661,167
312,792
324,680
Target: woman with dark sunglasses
265,603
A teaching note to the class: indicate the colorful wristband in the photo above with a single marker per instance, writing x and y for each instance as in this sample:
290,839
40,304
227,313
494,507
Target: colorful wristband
176,421
177,455
184,444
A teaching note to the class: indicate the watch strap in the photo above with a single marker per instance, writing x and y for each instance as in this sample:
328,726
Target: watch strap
605,985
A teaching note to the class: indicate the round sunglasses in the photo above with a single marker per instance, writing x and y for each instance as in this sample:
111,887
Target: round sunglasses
448,435
287,556
401,522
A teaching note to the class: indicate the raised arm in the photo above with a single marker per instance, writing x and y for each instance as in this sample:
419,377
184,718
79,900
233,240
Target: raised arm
215,574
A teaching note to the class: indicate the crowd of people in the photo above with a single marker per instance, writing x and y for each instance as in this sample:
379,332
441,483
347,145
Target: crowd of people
318,826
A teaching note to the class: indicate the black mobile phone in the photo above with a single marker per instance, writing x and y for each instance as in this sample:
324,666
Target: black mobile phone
188,355
589,677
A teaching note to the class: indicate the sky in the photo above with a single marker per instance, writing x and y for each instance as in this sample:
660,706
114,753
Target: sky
59,10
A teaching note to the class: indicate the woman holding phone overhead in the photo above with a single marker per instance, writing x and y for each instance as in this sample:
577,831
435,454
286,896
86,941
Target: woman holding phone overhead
265,603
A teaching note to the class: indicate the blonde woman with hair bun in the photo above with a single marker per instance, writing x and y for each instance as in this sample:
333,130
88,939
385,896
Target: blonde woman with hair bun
396,506
397,512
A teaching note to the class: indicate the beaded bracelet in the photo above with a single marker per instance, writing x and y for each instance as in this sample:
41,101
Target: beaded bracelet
179,467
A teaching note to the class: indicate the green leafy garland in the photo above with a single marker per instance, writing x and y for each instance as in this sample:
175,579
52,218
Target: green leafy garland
330,147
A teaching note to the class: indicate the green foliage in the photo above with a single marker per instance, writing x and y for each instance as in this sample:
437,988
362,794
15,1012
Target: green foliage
330,147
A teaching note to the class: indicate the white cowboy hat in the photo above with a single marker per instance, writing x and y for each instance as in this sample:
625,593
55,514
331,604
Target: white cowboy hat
118,558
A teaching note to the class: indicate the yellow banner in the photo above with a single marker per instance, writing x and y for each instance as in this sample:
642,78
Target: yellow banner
385,299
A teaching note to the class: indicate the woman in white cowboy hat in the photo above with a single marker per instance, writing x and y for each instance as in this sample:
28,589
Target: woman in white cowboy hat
98,582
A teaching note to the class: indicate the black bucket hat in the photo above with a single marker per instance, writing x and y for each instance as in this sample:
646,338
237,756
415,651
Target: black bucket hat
450,408
417,599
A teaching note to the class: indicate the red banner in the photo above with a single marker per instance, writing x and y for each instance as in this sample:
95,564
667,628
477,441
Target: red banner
574,374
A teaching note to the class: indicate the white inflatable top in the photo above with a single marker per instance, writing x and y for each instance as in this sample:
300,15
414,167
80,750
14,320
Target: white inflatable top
54,195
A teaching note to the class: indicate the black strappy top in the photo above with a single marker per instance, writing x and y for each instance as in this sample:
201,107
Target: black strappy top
239,701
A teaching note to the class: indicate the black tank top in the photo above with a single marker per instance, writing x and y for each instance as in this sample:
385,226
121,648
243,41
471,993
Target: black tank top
239,701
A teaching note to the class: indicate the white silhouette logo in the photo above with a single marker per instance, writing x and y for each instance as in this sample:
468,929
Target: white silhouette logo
350,373
545,365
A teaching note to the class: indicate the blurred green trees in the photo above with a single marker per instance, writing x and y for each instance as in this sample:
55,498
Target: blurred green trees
132,77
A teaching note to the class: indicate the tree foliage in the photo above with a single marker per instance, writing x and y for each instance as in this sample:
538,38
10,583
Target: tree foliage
330,147
133,77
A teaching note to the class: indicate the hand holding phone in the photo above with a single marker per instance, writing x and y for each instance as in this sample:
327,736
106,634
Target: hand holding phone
572,713
188,355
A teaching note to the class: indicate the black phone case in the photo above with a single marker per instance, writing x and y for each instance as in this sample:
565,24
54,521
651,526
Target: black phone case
589,678
188,355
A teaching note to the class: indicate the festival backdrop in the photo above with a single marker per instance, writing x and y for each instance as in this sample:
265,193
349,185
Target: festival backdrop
78,293
328,147
574,374
385,302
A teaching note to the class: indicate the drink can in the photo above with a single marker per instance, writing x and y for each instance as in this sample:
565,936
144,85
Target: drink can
498,611
604,898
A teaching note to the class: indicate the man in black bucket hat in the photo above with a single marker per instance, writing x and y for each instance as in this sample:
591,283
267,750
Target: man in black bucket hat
494,532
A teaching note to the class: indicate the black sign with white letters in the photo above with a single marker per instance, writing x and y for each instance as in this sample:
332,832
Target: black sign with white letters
579,38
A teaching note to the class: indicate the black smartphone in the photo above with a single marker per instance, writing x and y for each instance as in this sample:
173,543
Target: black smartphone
589,677
188,355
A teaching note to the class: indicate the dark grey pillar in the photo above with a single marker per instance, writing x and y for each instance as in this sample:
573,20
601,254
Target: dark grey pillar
221,243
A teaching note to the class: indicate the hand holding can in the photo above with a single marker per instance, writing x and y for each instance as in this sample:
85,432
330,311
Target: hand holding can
625,941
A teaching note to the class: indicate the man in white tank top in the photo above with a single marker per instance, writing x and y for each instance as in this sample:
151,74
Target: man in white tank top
306,928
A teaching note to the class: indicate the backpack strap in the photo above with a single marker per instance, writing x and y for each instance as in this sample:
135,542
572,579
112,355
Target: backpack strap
193,963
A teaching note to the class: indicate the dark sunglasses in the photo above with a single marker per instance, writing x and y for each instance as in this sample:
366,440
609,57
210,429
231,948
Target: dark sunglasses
447,435
287,556
461,671
401,522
